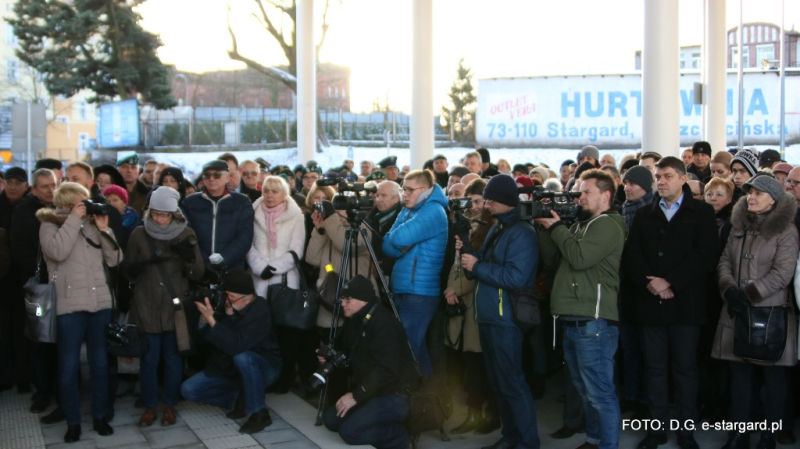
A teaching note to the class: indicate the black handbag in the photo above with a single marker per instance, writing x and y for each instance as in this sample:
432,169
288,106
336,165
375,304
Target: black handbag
525,305
425,412
759,333
294,308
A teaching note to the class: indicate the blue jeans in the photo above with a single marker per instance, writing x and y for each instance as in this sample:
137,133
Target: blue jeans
380,422
416,313
589,353
502,352
72,330
255,375
163,345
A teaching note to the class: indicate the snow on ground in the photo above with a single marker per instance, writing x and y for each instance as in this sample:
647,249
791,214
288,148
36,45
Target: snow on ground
333,156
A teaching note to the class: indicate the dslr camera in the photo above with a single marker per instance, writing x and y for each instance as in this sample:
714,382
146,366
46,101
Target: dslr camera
96,208
356,200
216,273
333,359
545,201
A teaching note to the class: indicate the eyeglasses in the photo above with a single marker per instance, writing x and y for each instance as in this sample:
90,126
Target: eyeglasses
215,175
792,182
249,173
409,190
155,214
488,202
233,300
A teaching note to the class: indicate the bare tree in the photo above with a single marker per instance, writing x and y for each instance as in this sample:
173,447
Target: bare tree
268,13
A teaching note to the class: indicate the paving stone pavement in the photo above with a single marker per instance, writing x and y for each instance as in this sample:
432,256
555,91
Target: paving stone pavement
202,426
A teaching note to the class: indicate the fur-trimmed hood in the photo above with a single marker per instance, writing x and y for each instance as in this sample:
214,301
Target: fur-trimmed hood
54,216
782,215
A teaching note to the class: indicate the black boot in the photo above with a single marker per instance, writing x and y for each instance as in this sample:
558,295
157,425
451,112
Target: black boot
73,434
238,409
101,427
737,440
53,417
472,422
490,424
767,441
256,422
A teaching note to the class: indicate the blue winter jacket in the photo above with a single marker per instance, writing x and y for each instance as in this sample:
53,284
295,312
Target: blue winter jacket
508,265
417,240
224,227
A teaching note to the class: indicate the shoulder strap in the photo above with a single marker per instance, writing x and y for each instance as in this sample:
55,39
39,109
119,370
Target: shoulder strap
160,266
489,245
303,285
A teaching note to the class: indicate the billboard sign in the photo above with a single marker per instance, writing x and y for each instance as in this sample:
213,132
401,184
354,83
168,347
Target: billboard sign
606,111
118,124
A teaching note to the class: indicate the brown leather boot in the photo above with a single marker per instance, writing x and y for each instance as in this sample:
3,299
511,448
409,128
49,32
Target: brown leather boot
148,417
168,416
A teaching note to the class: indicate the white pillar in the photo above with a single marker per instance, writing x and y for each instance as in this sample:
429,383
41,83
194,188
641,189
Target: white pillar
660,72
306,82
422,84
715,61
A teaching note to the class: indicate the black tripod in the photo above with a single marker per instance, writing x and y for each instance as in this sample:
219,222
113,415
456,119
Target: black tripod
355,218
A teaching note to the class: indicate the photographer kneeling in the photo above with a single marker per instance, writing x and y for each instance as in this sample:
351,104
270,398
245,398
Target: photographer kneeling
381,368
245,358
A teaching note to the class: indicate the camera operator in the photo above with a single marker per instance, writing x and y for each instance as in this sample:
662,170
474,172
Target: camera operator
584,299
222,219
507,262
417,240
382,218
244,359
381,369
164,240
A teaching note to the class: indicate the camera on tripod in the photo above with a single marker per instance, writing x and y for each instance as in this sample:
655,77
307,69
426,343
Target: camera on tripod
358,200
215,292
544,201
333,359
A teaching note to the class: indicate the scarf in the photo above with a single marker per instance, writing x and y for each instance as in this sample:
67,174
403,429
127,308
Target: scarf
163,233
382,218
629,208
272,214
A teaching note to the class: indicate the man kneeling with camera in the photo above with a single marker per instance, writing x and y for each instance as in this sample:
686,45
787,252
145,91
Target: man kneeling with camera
245,358
381,372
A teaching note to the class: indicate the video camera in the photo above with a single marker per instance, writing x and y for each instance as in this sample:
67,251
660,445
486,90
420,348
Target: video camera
359,200
96,208
333,359
545,201
215,292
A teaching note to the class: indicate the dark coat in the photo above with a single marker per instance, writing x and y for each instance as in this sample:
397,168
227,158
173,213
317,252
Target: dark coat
683,251
25,242
248,330
151,306
137,198
6,210
387,263
253,194
380,358
224,226
702,175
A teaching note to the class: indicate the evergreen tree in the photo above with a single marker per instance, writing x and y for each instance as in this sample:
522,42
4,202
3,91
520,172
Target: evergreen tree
462,105
92,44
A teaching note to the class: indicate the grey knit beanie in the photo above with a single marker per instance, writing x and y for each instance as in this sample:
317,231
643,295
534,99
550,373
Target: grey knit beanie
164,199
641,176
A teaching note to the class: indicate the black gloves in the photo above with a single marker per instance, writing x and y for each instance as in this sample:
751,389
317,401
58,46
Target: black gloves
268,272
327,209
737,301
185,249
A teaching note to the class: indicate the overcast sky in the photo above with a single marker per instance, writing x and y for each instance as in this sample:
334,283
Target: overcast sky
501,38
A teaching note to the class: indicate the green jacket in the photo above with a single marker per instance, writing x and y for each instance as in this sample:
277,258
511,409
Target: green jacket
587,281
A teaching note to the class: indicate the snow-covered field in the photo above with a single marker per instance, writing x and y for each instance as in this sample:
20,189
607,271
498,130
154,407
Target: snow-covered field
191,163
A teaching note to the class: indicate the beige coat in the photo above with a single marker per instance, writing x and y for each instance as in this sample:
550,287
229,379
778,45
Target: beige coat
76,265
767,263
463,288
327,249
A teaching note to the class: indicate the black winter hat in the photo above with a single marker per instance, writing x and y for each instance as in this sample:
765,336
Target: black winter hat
768,157
485,156
216,165
702,147
359,288
503,189
16,173
459,170
629,164
49,163
239,281
641,176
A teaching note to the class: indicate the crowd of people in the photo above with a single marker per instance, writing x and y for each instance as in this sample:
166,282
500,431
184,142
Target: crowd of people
649,267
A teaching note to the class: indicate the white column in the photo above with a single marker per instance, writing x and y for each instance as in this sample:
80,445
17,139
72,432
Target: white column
422,84
660,94
715,61
306,82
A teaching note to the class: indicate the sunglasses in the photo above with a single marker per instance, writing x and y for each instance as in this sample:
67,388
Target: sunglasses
215,175
249,173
